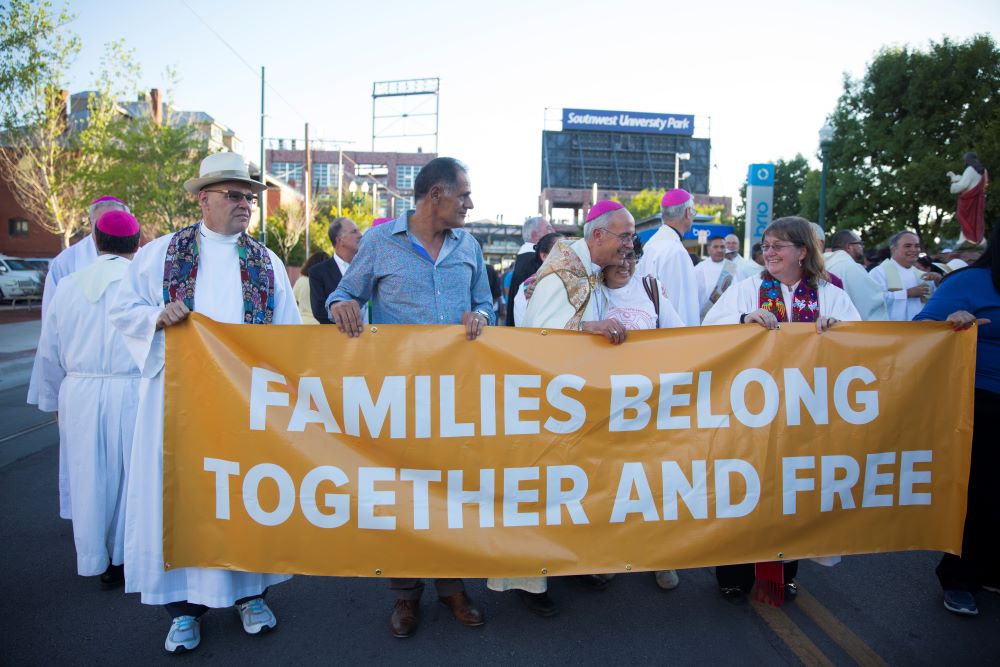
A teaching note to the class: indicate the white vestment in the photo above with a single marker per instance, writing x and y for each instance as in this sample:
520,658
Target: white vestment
86,373
78,256
219,295
665,258
707,272
744,297
901,308
744,267
549,306
865,293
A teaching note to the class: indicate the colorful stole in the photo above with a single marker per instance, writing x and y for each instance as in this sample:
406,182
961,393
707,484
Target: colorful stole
805,300
579,284
180,271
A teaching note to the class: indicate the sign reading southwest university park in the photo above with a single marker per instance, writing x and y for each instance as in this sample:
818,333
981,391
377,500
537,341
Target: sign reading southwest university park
628,121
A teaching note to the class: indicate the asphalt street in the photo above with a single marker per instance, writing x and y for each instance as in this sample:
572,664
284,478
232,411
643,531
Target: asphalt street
872,609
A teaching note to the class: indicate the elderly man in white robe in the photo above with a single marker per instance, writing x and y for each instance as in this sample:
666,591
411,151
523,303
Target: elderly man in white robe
744,267
666,259
81,254
905,288
846,253
715,274
568,293
214,268
87,375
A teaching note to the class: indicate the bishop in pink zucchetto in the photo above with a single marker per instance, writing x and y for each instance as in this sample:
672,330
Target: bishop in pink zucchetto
118,223
602,207
675,197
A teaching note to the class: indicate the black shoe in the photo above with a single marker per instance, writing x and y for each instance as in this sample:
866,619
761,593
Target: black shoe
538,603
113,577
734,594
791,591
594,582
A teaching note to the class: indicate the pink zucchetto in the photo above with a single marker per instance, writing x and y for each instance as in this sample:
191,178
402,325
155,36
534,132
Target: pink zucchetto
106,198
118,223
602,207
675,197
381,221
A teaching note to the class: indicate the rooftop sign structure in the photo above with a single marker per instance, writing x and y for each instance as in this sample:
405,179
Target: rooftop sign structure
628,121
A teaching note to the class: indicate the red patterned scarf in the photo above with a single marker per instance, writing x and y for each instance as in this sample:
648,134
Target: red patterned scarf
805,300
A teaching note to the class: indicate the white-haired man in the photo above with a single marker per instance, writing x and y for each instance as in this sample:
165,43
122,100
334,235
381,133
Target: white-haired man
665,258
905,288
78,256
527,262
214,268
744,267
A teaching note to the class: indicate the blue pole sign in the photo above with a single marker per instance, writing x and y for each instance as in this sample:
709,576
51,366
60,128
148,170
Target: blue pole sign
760,202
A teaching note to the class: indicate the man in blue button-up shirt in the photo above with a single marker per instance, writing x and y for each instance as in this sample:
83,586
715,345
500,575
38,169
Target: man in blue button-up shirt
422,268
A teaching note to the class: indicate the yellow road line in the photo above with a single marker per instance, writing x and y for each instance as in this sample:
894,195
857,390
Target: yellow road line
853,645
804,649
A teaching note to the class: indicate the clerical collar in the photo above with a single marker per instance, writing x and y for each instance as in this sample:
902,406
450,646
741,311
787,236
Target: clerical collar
216,236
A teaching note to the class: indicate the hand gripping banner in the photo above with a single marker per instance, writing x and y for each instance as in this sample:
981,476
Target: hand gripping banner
411,451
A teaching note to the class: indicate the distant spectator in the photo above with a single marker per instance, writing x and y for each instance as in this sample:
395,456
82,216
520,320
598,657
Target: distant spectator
301,287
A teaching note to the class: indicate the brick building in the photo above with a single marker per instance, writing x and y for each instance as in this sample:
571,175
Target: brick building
393,173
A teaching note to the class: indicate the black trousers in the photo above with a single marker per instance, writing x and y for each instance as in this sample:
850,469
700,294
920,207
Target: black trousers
980,560
186,608
742,576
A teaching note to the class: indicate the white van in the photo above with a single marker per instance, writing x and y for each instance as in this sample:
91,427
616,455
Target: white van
18,279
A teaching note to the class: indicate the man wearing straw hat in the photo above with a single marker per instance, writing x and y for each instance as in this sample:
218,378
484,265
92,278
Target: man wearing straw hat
215,268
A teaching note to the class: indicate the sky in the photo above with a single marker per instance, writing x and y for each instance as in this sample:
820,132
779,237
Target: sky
760,77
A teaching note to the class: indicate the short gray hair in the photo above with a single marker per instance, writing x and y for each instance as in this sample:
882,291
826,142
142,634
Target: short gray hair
818,232
105,203
530,226
601,222
894,239
676,211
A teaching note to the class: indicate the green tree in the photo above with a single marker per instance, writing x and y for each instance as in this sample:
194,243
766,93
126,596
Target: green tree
902,126
147,164
791,178
644,204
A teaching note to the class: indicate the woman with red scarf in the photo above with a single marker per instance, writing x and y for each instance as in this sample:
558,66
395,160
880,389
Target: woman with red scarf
793,287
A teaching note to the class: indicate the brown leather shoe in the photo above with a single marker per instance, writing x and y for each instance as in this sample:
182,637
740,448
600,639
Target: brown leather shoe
463,610
405,614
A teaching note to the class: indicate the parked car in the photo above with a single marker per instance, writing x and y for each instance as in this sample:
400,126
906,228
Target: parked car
19,280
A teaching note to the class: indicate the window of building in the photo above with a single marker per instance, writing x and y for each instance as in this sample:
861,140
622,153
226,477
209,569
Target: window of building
324,175
405,175
288,171
17,227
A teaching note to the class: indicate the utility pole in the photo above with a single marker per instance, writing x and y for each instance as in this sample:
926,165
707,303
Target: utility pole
308,178
263,177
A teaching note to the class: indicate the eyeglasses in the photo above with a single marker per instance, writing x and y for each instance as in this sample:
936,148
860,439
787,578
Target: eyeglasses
625,238
236,196
857,243
778,247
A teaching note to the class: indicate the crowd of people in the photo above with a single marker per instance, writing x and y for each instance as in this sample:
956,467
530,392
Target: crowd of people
100,359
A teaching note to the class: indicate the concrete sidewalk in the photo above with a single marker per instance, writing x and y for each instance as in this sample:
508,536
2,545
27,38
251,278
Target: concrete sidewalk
18,341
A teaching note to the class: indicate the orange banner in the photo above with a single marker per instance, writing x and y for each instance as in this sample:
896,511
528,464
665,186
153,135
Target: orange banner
411,451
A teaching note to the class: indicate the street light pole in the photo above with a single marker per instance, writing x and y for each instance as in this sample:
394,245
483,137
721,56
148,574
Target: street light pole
825,139
677,167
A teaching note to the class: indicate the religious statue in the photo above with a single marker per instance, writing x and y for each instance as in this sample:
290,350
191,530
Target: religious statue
971,190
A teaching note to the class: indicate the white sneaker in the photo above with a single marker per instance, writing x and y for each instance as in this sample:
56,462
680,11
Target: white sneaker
256,616
667,579
184,635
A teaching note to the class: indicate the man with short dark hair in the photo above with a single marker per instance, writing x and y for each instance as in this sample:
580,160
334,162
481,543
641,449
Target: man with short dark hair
905,288
88,377
325,276
527,262
214,268
436,275
846,250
